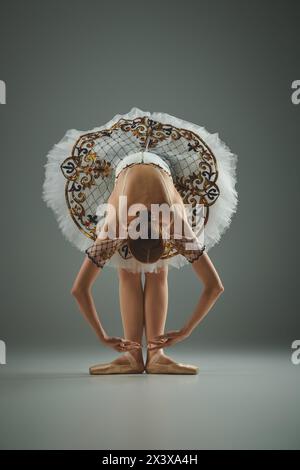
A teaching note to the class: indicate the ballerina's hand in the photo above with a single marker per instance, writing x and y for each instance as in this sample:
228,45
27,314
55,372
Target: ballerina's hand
167,339
121,344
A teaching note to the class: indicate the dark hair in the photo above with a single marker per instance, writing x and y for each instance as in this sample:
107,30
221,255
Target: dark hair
147,250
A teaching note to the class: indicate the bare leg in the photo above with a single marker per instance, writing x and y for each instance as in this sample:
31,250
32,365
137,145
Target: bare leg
155,308
131,306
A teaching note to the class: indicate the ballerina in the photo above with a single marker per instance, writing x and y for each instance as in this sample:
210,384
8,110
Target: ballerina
146,179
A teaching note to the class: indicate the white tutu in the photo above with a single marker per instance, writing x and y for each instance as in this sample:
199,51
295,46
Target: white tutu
81,170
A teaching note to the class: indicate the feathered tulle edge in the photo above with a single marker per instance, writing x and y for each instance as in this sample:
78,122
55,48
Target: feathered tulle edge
220,214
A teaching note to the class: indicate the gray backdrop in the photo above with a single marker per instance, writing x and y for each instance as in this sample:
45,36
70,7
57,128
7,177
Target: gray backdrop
225,65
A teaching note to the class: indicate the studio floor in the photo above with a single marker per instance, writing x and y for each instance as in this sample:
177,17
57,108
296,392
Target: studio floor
239,400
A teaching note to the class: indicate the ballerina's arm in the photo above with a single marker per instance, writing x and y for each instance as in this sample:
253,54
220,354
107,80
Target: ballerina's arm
97,255
213,288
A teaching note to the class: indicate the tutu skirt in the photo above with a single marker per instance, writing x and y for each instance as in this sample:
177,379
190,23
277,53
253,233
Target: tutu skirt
81,169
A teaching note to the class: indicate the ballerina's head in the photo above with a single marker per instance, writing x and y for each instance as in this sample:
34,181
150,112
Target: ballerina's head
148,250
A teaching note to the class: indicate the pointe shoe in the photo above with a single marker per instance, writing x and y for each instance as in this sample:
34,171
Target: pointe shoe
112,368
156,367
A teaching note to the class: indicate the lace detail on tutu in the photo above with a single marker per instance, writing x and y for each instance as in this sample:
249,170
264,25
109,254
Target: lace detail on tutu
102,250
182,246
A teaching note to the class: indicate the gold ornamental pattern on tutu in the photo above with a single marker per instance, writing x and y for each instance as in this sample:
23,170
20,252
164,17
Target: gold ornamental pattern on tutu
90,169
